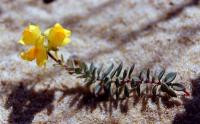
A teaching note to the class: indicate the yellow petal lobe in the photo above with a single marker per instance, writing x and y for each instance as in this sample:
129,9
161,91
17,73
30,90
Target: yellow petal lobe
41,56
66,41
30,35
29,55
58,36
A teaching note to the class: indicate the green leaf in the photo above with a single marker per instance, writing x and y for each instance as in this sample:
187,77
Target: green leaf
165,88
78,70
131,70
133,83
113,73
83,66
171,93
124,74
90,81
117,93
108,70
99,71
161,73
94,72
85,74
91,67
91,76
107,84
138,90
119,69
97,89
105,79
170,77
148,74
178,87
126,91
117,82
86,69
82,76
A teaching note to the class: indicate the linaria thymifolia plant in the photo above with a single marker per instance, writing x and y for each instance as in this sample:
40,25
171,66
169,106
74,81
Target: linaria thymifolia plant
114,82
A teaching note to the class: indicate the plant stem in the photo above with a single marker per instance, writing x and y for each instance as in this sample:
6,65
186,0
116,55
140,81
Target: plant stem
58,61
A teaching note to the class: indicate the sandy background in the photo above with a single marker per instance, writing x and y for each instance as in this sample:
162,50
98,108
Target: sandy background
149,33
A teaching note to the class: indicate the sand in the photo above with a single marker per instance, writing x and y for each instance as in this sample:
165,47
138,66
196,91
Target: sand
148,33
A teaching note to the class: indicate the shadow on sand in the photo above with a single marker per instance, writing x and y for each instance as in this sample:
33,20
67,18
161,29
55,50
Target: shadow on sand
83,99
25,102
191,115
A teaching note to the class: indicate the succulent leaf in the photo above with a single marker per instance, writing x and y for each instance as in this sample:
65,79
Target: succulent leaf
148,74
106,73
138,90
99,71
119,69
78,70
133,83
169,91
142,74
178,87
113,73
117,82
91,67
126,91
161,73
97,89
131,70
170,77
124,74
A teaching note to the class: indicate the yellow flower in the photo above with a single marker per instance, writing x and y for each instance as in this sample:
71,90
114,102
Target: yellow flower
38,52
30,35
57,36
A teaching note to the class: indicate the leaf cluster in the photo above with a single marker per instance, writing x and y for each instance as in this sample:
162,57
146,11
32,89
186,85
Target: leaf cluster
118,82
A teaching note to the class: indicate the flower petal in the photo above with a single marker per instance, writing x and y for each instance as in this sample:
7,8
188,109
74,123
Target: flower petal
30,35
35,29
40,41
67,33
41,56
21,41
58,25
66,41
58,36
29,55
46,32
